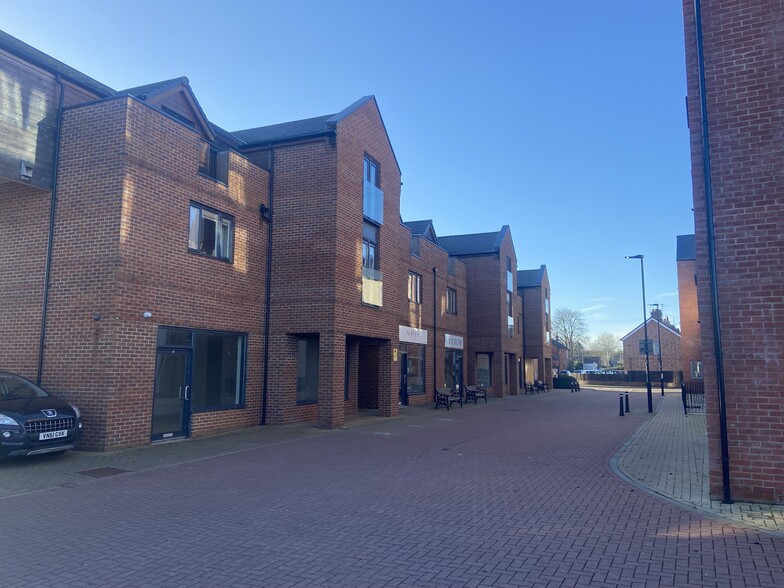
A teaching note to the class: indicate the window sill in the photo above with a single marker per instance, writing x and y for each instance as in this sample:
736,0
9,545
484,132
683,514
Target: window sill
307,402
208,256
216,180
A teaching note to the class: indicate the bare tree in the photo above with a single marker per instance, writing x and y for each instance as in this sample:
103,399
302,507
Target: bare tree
570,327
606,345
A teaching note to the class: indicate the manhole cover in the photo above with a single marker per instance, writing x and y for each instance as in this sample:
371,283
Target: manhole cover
102,472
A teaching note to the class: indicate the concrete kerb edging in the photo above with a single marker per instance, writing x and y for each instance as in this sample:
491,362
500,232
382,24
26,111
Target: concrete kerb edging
615,467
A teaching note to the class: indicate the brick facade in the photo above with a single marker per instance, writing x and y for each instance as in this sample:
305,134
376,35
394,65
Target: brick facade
691,346
743,82
633,360
124,272
533,287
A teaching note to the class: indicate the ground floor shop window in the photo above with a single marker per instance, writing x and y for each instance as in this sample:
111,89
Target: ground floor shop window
415,355
453,369
483,369
214,366
307,370
218,368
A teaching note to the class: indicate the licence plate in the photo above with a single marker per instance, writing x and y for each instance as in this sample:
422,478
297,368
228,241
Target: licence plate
52,435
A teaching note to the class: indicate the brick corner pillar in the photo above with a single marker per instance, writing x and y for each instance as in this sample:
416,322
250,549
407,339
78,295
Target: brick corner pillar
332,360
388,381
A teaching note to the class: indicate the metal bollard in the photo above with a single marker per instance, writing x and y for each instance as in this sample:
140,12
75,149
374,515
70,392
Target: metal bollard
620,399
627,402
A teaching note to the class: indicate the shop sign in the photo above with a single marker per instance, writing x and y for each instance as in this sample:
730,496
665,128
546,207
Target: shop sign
413,335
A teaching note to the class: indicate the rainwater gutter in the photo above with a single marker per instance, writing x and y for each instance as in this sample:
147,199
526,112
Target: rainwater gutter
268,286
714,289
49,246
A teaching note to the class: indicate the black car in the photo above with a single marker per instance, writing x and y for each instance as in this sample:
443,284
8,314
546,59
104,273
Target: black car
32,421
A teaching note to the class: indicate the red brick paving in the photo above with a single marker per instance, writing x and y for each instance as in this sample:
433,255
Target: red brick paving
514,493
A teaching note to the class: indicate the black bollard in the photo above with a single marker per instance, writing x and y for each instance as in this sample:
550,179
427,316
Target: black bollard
620,398
627,402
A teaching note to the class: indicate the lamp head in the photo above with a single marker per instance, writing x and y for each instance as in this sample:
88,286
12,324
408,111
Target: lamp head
639,256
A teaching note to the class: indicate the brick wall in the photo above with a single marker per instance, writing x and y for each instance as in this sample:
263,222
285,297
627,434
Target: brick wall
487,314
633,360
24,227
126,179
744,82
691,346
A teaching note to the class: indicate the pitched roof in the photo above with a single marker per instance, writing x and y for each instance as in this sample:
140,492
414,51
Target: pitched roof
297,129
474,244
650,320
687,249
285,131
44,61
531,278
423,228
151,90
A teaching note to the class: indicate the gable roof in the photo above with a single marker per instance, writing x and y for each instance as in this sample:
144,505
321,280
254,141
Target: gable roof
307,128
16,47
423,228
531,278
474,244
655,323
158,93
687,249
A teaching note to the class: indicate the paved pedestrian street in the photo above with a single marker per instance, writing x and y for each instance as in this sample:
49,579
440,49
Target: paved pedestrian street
523,491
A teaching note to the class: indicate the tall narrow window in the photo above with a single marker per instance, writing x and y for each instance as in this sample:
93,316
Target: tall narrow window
372,196
307,370
414,288
370,246
483,369
211,232
451,301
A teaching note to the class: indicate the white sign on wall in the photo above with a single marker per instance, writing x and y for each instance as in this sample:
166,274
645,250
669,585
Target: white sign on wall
453,341
412,335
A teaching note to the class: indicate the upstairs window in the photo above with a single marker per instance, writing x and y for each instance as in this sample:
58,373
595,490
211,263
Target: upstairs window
370,246
451,301
414,288
372,196
211,232
214,163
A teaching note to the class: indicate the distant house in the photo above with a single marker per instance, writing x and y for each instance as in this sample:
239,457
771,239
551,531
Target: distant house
670,348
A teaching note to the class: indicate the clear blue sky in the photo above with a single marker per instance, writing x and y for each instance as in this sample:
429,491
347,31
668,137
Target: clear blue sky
565,120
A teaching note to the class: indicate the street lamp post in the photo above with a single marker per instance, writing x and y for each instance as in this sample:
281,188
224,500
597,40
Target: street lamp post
645,331
658,328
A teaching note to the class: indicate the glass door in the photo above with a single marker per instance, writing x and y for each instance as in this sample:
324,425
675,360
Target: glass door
404,379
171,399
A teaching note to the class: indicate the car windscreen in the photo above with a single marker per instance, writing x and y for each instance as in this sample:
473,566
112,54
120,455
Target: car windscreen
12,387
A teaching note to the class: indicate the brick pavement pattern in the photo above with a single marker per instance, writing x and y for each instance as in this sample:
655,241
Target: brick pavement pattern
518,492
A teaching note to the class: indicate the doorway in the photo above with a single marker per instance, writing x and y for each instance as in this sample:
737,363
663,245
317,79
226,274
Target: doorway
172,395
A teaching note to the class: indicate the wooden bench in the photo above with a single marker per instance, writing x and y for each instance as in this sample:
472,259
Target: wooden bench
446,396
475,393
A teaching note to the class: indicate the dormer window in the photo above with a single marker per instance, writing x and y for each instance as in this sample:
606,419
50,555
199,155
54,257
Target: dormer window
214,163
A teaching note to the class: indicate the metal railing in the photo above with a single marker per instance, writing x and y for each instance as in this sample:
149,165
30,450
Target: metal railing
693,397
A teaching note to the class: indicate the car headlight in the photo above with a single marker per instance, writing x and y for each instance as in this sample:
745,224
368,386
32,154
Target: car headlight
7,420
76,410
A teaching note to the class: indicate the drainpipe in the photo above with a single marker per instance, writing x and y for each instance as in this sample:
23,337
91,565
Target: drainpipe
725,451
435,333
52,207
268,288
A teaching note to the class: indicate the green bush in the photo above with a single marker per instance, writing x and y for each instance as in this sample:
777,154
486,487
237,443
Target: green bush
564,382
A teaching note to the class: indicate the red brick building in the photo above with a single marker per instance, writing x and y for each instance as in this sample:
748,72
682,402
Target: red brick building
664,338
174,279
494,309
691,346
533,286
736,120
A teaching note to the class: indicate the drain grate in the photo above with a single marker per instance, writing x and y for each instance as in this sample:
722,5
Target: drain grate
102,472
